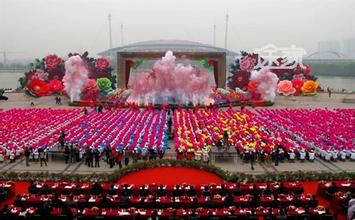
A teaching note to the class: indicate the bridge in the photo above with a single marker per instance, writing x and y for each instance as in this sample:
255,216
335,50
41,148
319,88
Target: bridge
327,54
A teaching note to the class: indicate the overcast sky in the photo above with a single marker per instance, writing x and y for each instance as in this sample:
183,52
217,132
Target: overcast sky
34,28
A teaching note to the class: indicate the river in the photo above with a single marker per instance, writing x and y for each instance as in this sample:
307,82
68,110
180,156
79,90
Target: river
10,80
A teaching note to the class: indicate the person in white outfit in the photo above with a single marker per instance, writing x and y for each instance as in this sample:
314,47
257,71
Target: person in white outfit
334,155
302,155
2,158
352,155
292,155
328,156
342,155
311,155
351,209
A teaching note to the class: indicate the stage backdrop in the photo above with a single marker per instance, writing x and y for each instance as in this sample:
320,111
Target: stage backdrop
216,61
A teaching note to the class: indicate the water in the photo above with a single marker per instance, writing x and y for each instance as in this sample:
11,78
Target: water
10,80
337,82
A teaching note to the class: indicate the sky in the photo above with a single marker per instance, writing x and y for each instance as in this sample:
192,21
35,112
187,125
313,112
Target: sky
35,28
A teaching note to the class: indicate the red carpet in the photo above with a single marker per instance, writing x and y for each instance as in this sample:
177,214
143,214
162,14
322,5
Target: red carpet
171,176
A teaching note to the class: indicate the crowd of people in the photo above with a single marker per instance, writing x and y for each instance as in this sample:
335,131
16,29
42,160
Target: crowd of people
253,137
263,135
85,133
329,133
89,200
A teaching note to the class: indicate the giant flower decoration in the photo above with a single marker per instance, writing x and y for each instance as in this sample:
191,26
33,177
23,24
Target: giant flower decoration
103,84
90,86
310,87
252,85
56,86
247,63
38,87
91,91
40,74
297,84
285,88
52,61
102,64
240,79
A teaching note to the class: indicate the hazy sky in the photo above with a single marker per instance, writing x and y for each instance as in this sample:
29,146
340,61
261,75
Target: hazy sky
34,28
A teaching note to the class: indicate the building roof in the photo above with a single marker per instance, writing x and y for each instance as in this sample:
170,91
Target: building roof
165,45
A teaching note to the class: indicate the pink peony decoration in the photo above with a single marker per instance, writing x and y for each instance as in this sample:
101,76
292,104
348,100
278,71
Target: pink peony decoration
285,88
40,74
102,64
52,62
247,63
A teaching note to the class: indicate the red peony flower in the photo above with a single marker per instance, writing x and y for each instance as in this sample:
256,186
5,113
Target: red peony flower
56,86
90,91
297,84
247,63
240,79
90,86
52,61
102,64
38,87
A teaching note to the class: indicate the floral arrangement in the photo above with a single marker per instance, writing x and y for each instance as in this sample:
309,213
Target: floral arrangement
291,80
45,76
285,87
225,175
309,87
103,84
226,95
241,70
119,95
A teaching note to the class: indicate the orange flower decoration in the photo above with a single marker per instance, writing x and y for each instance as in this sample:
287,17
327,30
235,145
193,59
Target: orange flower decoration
310,87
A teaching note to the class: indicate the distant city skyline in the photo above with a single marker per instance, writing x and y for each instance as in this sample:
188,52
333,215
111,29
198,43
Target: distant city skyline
35,28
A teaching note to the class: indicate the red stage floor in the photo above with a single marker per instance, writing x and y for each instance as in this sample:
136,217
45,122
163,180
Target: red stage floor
171,176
